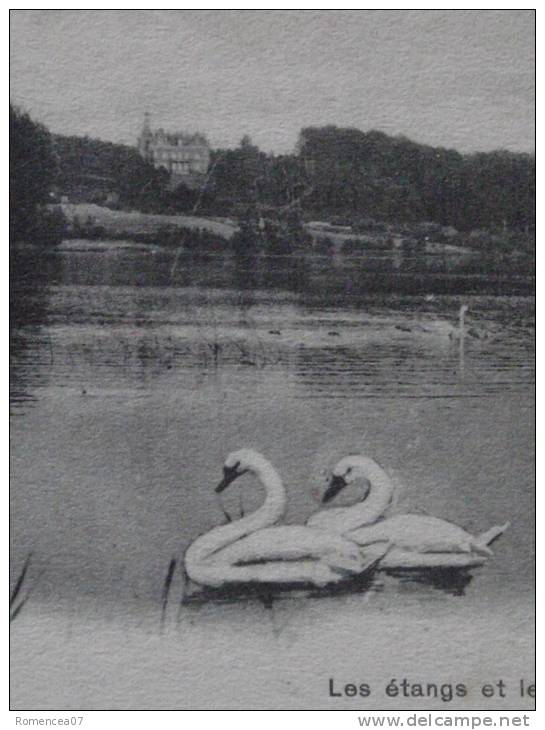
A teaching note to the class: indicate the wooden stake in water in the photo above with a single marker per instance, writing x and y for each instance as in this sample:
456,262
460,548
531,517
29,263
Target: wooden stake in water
462,333
166,590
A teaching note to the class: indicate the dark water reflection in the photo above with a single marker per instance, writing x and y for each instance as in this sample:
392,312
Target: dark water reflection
133,374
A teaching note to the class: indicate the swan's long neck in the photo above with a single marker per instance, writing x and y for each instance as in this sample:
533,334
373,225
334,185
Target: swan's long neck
378,499
271,511
340,520
462,320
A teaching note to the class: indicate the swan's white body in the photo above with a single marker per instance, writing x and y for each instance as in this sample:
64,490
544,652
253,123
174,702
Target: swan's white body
417,541
443,328
251,549
422,541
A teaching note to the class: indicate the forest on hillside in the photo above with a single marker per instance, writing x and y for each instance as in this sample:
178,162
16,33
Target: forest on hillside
338,172
344,176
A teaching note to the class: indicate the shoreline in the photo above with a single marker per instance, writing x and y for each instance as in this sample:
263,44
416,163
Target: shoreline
284,658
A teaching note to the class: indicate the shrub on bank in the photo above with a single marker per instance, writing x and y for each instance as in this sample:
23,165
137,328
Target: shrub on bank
47,228
323,246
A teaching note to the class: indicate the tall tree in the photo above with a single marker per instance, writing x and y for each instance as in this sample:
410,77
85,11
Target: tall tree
31,173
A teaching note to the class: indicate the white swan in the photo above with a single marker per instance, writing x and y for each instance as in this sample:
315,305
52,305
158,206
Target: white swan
443,328
251,549
461,332
418,541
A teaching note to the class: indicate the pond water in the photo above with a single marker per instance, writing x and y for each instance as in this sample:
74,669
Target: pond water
134,375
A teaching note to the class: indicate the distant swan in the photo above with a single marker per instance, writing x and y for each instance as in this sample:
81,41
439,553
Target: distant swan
460,331
443,328
251,549
417,541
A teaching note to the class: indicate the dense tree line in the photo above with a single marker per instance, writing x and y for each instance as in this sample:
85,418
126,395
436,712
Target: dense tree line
351,172
336,174
246,176
93,169
346,173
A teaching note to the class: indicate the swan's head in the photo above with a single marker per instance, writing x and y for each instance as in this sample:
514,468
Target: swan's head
348,470
238,463
464,308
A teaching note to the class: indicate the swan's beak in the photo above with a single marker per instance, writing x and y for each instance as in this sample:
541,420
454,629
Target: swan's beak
336,484
229,475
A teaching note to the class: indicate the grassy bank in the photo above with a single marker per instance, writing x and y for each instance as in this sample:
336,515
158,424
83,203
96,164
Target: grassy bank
84,217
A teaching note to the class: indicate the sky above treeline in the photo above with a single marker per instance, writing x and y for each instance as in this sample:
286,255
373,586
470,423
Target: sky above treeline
462,79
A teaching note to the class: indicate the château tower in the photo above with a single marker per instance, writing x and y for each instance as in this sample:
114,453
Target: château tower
145,139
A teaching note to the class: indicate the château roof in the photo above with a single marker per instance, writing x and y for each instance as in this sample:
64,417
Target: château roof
177,138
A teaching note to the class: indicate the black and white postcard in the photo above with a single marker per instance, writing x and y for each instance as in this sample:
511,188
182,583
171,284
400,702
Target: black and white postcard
272,360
